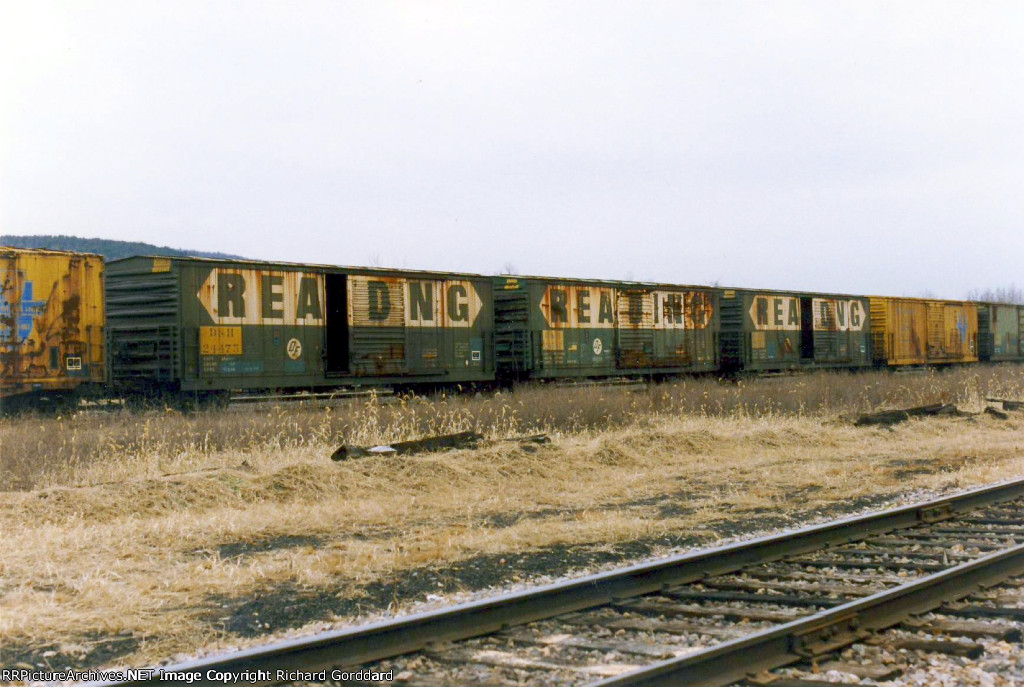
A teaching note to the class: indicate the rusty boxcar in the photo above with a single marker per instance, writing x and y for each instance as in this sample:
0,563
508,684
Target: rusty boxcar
923,331
1000,332
550,328
206,327
788,330
51,326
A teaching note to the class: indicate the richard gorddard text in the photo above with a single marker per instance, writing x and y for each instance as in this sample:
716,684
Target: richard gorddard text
189,676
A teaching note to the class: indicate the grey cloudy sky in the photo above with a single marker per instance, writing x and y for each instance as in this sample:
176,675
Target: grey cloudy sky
859,147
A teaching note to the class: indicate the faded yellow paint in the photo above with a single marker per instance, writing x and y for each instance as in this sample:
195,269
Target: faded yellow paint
161,264
441,303
553,340
958,339
220,340
582,306
269,297
576,306
51,320
770,312
838,314
378,301
915,331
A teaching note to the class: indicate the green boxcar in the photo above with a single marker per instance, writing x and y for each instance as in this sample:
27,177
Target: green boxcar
776,330
555,328
198,325
1000,332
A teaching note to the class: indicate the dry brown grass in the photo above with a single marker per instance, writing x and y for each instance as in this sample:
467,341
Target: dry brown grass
104,544
94,447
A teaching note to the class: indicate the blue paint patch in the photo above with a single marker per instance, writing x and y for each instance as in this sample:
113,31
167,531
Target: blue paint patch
961,325
30,309
295,366
241,367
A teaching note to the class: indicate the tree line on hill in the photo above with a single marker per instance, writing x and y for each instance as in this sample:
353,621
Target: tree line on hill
108,248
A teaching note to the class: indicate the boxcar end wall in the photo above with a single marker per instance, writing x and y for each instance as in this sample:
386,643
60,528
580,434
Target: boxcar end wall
51,323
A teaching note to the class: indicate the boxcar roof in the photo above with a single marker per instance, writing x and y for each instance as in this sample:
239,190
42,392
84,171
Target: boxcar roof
920,299
46,251
256,264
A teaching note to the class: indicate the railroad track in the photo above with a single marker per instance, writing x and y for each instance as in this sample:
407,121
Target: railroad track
713,617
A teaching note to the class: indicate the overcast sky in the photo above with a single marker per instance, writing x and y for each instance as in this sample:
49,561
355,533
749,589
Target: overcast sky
857,147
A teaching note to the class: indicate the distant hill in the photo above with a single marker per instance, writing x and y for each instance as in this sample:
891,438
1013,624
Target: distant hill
109,249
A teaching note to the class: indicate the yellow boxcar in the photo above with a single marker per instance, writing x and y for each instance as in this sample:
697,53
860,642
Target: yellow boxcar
51,325
923,331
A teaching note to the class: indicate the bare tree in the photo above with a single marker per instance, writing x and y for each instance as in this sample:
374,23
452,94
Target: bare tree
508,268
1001,294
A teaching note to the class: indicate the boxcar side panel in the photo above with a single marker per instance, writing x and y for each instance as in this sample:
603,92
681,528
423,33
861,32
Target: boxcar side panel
914,331
556,328
573,329
246,326
433,328
793,330
208,325
957,341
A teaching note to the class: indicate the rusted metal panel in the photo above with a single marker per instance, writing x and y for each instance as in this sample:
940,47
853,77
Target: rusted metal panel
51,321
659,328
900,330
916,331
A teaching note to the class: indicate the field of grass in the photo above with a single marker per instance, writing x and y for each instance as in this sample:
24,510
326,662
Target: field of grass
132,537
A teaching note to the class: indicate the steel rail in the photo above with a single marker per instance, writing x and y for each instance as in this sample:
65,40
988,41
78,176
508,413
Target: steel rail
823,632
386,639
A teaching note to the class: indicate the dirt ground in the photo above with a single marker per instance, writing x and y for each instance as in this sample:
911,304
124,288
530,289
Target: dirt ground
139,570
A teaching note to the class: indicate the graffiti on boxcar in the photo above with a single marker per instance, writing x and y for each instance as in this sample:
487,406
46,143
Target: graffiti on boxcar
251,296
775,313
838,315
39,338
17,315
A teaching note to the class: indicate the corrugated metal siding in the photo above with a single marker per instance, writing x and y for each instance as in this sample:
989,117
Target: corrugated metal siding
732,340
143,323
1020,331
512,340
986,339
